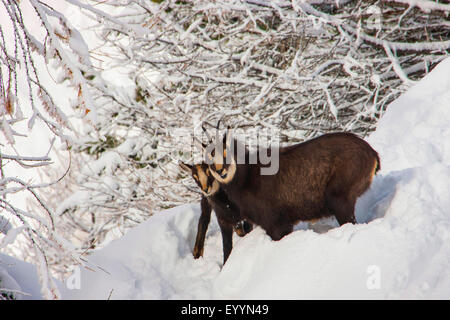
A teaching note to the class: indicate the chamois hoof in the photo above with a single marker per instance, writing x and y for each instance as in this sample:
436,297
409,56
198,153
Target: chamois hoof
197,253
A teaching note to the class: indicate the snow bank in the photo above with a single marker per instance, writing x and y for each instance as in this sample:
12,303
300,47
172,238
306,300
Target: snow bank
152,261
399,249
20,277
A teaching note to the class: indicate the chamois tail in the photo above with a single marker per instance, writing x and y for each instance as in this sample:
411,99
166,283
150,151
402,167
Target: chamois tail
378,167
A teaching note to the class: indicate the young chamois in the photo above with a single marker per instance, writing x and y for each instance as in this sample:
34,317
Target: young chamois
227,214
315,179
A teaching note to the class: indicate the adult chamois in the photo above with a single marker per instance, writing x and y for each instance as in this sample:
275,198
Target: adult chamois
315,179
214,198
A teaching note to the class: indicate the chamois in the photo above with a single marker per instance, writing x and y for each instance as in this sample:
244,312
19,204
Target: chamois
227,213
317,178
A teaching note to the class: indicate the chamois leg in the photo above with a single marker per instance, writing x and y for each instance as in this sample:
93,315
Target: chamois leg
342,208
279,229
247,226
203,223
227,238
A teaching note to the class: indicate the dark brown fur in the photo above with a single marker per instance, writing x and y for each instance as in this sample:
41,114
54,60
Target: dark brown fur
318,178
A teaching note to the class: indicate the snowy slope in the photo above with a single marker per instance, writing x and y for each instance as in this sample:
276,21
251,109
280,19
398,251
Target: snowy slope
399,249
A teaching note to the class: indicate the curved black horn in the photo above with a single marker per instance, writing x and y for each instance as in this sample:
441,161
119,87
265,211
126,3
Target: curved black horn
217,129
199,144
206,132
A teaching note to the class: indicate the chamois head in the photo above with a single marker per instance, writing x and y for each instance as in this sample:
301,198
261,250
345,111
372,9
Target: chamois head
221,159
202,176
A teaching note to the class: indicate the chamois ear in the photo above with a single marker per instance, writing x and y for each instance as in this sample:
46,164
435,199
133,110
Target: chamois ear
207,134
185,167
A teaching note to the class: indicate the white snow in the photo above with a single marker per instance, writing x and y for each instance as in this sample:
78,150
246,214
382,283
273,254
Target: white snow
19,276
400,247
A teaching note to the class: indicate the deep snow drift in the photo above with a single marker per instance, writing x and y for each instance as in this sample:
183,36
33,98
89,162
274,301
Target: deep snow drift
400,247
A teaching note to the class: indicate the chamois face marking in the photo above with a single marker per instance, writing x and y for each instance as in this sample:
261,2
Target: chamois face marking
203,177
223,167
200,177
